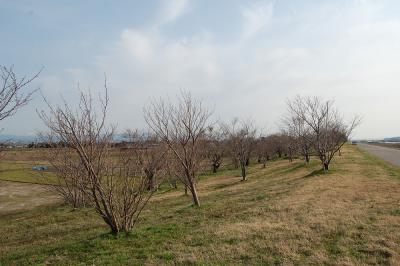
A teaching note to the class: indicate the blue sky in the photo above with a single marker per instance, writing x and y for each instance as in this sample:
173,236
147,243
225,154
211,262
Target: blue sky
243,58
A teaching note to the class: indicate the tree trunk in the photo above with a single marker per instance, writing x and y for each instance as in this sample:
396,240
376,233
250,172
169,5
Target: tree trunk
152,181
307,158
244,172
326,166
173,183
194,194
215,167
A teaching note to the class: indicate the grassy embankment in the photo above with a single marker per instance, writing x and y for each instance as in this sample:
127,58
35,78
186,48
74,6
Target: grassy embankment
287,213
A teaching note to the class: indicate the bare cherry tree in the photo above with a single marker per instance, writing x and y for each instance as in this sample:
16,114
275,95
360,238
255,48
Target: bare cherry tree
214,147
263,149
298,129
291,145
181,127
241,135
150,153
113,181
69,182
278,144
329,130
14,91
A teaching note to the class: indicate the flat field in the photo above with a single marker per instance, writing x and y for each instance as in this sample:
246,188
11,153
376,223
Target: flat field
287,213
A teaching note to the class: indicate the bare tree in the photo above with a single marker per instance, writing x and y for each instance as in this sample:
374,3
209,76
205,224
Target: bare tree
263,149
69,170
14,93
181,127
214,147
150,153
241,137
300,132
329,131
291,143
277,142
113,182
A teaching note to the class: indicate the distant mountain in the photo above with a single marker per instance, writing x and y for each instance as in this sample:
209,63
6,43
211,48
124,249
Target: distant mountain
31,138
394,139
17,138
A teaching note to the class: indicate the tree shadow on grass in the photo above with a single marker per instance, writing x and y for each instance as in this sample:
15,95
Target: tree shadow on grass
315,173
225,185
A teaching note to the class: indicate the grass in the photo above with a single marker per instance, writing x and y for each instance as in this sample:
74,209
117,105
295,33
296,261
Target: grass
22,172
287,213
16,165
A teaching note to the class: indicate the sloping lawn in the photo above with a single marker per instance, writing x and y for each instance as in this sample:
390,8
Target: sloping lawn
288,213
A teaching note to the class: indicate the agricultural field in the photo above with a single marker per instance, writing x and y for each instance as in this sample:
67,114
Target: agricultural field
287,213
16,165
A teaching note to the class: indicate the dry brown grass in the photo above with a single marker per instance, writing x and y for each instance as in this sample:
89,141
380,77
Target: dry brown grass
342,216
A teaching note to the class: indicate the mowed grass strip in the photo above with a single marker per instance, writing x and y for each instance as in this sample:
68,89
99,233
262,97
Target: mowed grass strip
21,171
287,213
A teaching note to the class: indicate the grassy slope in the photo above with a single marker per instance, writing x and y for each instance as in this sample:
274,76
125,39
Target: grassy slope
287,213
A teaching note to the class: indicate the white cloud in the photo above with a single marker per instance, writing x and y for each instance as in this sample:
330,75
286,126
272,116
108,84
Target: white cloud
136,44
172,10
256,17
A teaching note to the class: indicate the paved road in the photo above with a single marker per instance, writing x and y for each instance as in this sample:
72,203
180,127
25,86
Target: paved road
388,154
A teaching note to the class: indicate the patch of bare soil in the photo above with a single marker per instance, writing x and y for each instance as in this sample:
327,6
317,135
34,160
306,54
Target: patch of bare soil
16,197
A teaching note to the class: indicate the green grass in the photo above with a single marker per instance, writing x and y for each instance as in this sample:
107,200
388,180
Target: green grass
287,213
21,171
390,169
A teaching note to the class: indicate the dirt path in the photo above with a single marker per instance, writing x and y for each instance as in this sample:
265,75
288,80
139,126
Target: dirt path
15,196
388,154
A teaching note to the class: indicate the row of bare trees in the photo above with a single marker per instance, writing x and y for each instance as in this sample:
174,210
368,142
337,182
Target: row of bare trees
183,142
118,182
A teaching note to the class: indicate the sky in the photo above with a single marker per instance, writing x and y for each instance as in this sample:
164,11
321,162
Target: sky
241,58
